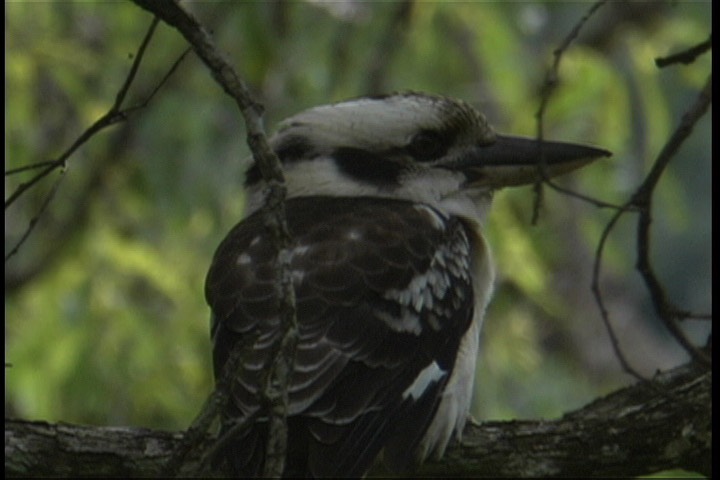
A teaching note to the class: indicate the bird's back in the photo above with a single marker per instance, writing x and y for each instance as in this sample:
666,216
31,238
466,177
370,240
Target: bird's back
384,296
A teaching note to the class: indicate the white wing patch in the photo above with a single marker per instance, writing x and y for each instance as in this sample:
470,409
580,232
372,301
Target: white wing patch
353,235
448,266
301,249
407,322
429,375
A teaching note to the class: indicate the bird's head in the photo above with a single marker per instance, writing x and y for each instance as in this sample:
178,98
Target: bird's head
411,146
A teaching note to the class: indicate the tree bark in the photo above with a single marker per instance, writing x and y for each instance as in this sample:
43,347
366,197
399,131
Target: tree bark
660,424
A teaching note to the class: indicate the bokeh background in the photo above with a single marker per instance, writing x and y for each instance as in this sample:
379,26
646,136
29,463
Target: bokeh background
106,321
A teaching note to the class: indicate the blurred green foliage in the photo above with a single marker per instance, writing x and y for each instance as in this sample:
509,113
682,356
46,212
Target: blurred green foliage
105,315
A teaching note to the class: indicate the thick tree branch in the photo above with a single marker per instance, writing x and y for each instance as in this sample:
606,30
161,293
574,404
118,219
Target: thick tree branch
665,423
651,426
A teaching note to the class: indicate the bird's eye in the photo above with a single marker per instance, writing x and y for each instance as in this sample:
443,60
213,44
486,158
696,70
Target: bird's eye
427,145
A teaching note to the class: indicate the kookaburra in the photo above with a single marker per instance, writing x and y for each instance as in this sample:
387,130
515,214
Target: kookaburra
386,200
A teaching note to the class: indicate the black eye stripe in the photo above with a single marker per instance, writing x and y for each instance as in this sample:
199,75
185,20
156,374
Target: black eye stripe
367,166
427,145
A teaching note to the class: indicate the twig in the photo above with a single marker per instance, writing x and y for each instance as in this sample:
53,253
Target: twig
551,82
36,217
551,79
238,425
642,203
548,88
597,293
160,84
643,200
213,406
114,115
25,168
685,57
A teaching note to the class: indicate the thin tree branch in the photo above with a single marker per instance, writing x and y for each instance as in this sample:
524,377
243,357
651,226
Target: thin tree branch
34,220
213,406
686,56
275,390
642,199
641,202
552,76
25,168
108,119
548,88
160,84
597,293
112,116
551,83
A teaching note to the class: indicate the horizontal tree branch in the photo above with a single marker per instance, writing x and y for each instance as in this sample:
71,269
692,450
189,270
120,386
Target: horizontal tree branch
664,423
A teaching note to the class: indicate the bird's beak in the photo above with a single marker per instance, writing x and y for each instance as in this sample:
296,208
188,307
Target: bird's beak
518,161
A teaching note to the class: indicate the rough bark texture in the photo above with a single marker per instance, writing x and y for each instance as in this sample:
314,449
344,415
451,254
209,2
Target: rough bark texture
661,424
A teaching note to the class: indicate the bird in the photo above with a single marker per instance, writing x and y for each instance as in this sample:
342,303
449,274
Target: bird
386,200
